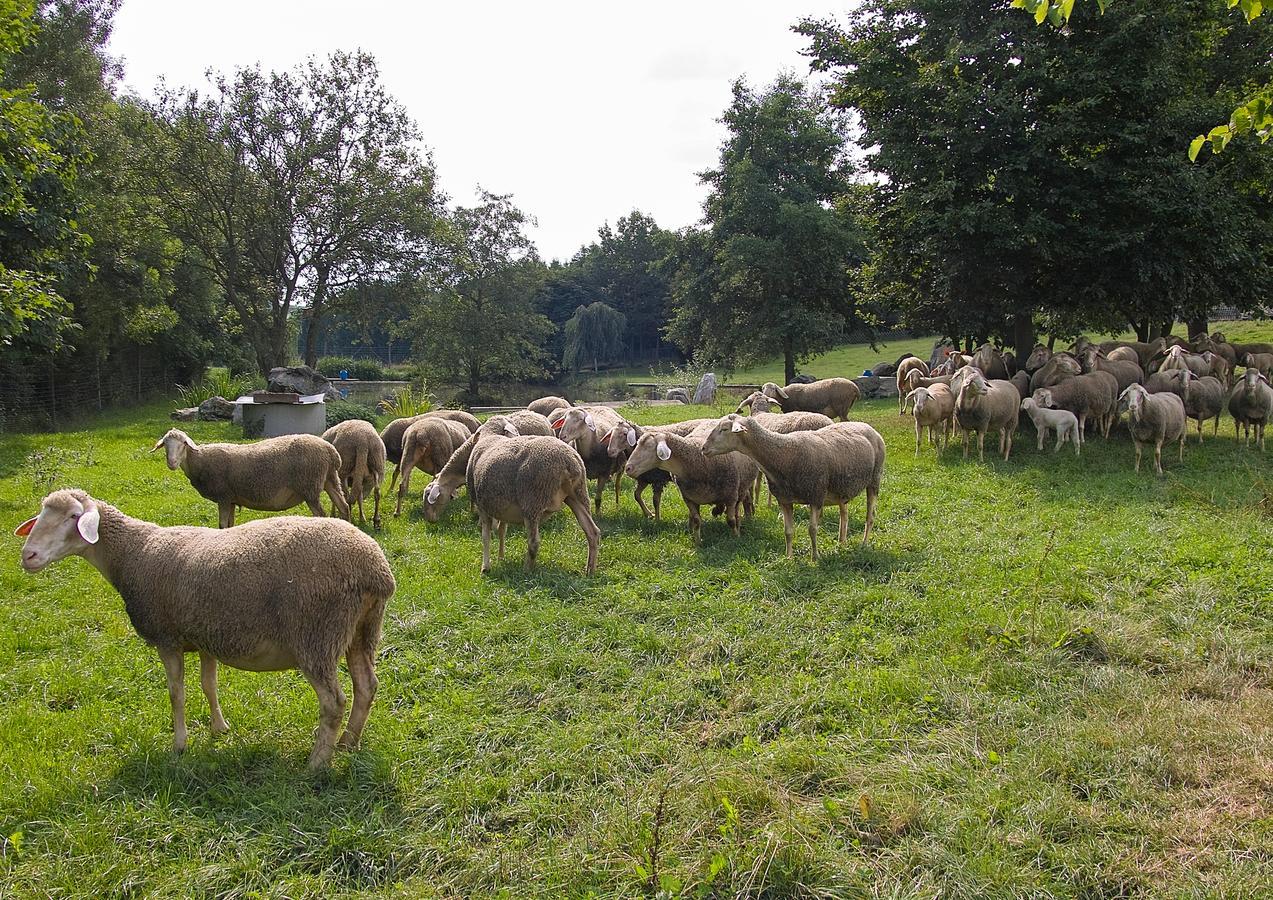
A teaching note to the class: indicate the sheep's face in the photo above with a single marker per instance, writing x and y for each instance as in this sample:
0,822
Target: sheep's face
773,392
67,524
754,400
1043,397
619,440
573,423
649,451
912,379
1029,405
176,444
438,494
1038,357
1251,379
1132,400
725,436
919,398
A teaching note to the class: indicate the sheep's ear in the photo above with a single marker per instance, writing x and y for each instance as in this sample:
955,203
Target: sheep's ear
431,495
159,443
590,421
511,430
737,425
664,451
87,523
605,438
783,394
25,528
632,437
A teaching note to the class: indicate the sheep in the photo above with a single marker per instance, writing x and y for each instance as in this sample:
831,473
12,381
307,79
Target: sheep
1179,358
1251,405
546,406
983,405
1125,373
1021,381
831,465
757,399
585,426
934,407
833,397
362,463
1060,367
915,380
519,479
1146,350
427,445
1154,418
1093,396
456,468
1038,357
992,362
717,481
1169,380
904,369
1124,354
1242,350
285,593
1062,421
1204,399
394,431
1261,361
1204,343
273,474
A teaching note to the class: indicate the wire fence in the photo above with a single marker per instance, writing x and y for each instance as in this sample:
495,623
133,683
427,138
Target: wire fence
50,398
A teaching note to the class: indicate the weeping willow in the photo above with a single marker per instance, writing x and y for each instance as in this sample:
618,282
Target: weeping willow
593,334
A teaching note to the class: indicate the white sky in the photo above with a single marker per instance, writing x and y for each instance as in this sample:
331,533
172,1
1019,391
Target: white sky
582,110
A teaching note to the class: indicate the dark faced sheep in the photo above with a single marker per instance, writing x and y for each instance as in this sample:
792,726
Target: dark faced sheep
1038,357
274,594
992,362
362,463
833,397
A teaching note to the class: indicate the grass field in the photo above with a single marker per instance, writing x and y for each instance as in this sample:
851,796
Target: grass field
1047,677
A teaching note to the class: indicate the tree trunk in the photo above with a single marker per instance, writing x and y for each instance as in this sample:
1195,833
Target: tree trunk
316,311
1142,330
1023,336
788,361
1198,325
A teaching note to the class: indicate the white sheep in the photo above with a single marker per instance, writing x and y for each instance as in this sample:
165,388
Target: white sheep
1062,421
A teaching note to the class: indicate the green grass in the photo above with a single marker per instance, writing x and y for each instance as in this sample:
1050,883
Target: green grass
1046,677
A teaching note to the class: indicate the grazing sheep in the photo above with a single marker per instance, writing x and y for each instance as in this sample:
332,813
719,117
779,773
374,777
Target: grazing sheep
715,481
619,442
546,406
395,430
904,370
934,407
456,468
1091,396
983,405
519,479
585,426
757,401
427,445
362,463
1154,419
1251,405
991,361
833,397
831,465
283,593
273,474
1062,421
1060,367
1204,399
1125,373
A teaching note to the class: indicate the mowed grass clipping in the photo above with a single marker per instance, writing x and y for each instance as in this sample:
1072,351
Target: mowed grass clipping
1045,677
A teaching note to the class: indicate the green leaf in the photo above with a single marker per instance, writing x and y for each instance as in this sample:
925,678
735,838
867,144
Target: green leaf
1067,9
992,757
1195,146
1041,12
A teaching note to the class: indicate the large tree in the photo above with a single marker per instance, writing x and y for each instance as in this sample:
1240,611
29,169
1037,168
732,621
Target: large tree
592,335
772,270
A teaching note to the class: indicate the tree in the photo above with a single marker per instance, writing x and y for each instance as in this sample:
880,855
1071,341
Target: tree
478,321
594,332
773,268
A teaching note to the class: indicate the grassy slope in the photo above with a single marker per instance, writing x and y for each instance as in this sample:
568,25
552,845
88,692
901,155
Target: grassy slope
1049,676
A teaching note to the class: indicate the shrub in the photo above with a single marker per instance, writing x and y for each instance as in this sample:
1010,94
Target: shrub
217,382
344,410
331,366
410,401
367,370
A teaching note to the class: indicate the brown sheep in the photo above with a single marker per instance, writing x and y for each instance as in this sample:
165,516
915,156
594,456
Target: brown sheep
362,463
1154,419
984,405
833,397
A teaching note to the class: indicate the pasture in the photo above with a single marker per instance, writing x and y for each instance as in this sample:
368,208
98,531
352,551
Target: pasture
1045,677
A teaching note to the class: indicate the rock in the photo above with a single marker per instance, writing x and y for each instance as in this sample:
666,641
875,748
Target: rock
188,414
802,378
869,385
706,391
884,370
938,356
301,380
678,394
216,408
887,388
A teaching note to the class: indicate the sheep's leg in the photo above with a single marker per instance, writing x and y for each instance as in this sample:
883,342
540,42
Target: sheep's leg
815,520
844,523
393,479
578,504
175,669
636,495
404,487
486,541
331,712
601,489
1199,429
618,479
225,515
981,446
696,521
788,526
1158,457
501,528
872,495
316,506
532,542
1137,443
731,516
1183,435
919,431
749,504
1007,443
1215,430
1043,432
361,658
337,495
657,492
208,681
362,516
375,513
1078,443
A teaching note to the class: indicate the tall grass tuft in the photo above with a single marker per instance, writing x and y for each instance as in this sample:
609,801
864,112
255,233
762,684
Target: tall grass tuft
217,382
410,401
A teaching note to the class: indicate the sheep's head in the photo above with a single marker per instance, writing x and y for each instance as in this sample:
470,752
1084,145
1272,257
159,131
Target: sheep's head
441,491
176,444
1251,379
773,391
650,450
1038,357
620,439
572,424
726,435
1029,404
756,399
1132,400
1043,397
911,379
919,398
67,524
500,425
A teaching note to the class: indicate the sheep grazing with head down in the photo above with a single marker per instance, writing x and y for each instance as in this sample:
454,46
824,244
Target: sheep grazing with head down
934,407
362,463
272,475
983,405
1062,421
1154,419
546,406
285,593
1251,405
829,466
833,397
427,445
757,401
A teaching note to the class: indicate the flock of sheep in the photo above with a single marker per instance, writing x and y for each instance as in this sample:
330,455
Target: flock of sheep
1161,384
296,592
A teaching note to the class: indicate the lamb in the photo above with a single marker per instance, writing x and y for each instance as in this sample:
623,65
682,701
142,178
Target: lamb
1090,396
1154,418
285,593
904,370
273,474
831,465
520,479
1125,373
1062,421
585,426
427,445
983,405
833,397
1251,405
724,480
757,399
362,463
934,407
546,406
395,430
1204,399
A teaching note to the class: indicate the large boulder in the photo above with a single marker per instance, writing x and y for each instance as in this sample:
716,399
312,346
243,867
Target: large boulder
869,385
884,369
802,378
186,414
678,394
216,408
706,391
301,380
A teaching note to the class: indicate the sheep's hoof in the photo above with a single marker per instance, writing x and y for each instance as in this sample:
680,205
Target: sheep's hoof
220,727
347,742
